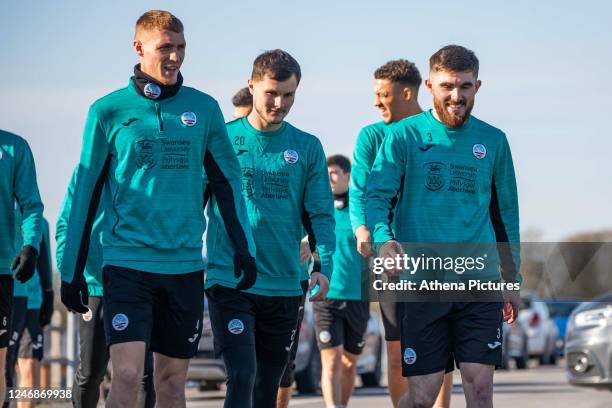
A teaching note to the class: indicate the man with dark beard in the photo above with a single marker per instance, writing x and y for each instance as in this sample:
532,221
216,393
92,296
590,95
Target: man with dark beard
454,179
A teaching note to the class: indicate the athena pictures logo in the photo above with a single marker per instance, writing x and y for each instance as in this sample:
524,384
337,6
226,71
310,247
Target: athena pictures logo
189,118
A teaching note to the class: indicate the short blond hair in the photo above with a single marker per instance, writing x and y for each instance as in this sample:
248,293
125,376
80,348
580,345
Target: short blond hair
159,20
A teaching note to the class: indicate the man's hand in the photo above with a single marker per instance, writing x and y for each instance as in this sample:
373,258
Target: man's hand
364,241
24,264
305,253
511,307
391,249
75,296
323,282
46,308
246,265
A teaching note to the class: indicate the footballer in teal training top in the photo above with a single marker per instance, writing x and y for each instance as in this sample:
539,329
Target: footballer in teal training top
454,179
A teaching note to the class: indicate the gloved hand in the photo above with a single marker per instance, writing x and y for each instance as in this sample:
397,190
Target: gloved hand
24,264
246,264
46,308
75,296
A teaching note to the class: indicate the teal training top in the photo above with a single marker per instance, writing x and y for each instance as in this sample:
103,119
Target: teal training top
93,266
286,188
454,186
346,278
17,185
149,156
368,142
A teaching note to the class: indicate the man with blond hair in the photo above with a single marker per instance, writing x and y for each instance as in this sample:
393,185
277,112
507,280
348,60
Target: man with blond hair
148,145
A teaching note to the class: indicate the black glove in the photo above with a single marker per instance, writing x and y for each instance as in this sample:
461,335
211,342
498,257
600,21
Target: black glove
245,264
46,308
24,264
75,296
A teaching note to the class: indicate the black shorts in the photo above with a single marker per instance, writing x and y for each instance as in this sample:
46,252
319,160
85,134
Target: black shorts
6,308
163,310
31,343
289,373
433,334
392,314
266,323
341,323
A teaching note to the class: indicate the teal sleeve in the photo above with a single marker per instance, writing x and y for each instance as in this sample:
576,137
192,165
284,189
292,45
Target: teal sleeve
93,268
88,182
27,195
62,221
363,156
384,185
45,271
504,212
319,208
224,178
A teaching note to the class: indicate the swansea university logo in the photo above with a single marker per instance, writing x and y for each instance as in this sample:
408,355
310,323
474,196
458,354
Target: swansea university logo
434,177
145,153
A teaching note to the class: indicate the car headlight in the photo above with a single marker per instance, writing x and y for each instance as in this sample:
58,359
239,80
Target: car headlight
595,317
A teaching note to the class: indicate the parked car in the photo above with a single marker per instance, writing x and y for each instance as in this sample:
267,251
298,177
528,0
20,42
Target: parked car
588,344
514,345
542,332
308,359
560,312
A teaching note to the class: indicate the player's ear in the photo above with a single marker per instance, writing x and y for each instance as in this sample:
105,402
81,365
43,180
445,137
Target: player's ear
407,92
429,86
137,45
250,86
478,83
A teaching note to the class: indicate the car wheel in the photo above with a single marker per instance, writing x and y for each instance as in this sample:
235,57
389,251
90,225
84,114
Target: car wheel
521,362
548,357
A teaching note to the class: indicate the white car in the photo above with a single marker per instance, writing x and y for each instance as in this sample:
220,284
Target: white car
542,332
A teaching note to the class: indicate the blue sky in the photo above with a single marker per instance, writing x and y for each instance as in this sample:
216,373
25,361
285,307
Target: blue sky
544,65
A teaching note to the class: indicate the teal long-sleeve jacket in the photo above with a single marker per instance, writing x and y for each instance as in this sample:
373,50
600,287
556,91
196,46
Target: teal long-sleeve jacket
454,186
18,186
286,188
147,156
369,140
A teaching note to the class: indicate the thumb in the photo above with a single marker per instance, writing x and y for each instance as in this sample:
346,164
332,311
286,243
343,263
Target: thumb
313,281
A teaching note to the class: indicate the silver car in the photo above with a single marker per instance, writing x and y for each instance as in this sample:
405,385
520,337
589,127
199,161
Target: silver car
588,344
